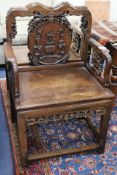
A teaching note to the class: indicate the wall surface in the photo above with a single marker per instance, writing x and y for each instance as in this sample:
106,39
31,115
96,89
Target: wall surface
113,6
5,5
113,10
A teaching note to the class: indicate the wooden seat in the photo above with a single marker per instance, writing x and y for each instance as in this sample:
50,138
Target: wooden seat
60,79
59,86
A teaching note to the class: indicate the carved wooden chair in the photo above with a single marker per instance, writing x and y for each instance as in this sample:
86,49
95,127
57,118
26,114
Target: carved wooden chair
54,85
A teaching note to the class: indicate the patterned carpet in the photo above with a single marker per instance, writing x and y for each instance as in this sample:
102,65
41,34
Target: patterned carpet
66,133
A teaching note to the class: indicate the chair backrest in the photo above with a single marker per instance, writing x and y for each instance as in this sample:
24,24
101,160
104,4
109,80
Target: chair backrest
49,31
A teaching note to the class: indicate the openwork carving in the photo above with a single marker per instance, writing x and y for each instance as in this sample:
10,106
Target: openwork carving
13,30
77,114
84,24
97,63
49,39
76,41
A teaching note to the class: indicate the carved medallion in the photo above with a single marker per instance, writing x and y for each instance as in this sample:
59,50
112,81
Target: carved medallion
49,39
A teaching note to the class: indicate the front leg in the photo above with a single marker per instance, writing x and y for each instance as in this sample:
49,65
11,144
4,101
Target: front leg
104,124
22,138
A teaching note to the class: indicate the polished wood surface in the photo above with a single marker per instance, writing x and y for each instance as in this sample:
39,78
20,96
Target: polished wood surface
78,85
60,86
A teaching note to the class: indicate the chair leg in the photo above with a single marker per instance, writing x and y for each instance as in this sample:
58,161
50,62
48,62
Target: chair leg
22,138
12,104
104,124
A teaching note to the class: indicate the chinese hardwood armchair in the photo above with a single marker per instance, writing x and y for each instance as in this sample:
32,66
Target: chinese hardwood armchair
60,79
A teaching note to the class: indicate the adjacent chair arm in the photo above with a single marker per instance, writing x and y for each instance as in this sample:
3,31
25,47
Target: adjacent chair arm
97,55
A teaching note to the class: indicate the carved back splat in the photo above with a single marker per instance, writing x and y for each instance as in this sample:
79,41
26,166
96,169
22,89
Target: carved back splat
49,39
49,33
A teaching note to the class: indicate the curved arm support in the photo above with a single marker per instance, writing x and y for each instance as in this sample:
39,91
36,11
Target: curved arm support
12,68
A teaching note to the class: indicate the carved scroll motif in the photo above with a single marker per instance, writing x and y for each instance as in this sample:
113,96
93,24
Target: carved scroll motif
84,24
13,30
76,41
49,39
77,114
97,63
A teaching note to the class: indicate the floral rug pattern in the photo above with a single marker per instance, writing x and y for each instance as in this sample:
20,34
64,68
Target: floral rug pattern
74,133
92,163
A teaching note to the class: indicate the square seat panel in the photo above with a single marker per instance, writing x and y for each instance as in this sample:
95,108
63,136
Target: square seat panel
59,86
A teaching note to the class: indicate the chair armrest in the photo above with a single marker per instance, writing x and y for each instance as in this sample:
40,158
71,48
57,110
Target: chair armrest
11,68
100,60
8,50
113,51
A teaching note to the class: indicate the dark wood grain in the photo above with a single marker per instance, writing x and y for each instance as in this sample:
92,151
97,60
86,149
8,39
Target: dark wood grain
60,86
63,152
78,84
